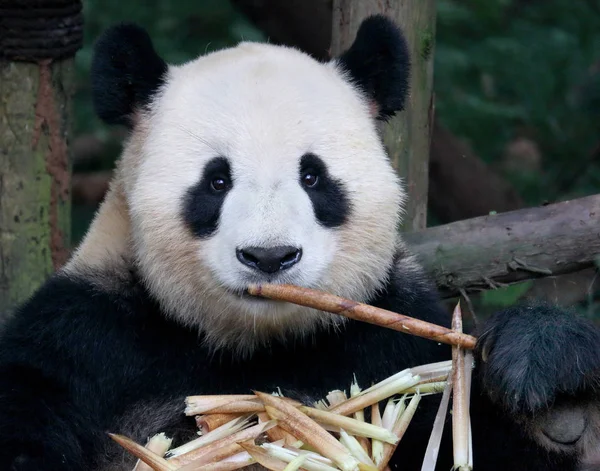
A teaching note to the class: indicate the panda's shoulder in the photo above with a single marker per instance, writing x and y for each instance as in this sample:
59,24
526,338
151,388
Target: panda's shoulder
66,294
69,311
411,291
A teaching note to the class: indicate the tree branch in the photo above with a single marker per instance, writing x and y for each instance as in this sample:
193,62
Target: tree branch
489,251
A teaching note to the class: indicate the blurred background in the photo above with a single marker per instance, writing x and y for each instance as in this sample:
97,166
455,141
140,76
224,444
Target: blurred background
517,103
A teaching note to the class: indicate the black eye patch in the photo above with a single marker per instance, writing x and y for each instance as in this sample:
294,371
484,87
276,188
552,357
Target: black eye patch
328,196
203,201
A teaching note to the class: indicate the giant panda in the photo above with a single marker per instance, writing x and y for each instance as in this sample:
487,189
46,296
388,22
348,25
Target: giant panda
259,164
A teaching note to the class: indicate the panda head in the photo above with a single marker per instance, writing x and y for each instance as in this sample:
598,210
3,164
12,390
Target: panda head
256,164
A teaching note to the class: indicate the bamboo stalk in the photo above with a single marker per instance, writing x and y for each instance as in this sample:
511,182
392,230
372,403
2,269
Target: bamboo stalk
238,407
376,445
295,464
336,397
156,462
390,379
424,388
158,444
468,377
388,417
433,379
375,394
460,404
360,416
239,461
362,312
289,453
312,455
195,405
207,423
223,448
432,370
263,457
315,462
355,427
220,433
353,445
276,433
399,430
227,404
435,439
306,429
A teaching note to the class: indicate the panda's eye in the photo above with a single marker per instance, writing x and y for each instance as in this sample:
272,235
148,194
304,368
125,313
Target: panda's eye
219,184
310,179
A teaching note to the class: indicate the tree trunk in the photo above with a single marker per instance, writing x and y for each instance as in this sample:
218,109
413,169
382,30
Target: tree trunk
488,251
462,186
408,135
36,83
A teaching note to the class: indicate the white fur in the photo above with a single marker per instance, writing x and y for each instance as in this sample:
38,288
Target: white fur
262,107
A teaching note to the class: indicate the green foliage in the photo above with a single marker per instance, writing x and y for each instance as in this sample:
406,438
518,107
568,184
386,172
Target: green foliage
506,296
506,68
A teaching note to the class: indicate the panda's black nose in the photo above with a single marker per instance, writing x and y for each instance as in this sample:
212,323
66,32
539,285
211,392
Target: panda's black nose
271,259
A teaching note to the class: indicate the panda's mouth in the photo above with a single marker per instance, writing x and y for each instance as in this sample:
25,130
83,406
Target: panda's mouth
245,296
240,290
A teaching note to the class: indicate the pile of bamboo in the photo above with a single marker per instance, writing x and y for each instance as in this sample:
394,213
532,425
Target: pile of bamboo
333,434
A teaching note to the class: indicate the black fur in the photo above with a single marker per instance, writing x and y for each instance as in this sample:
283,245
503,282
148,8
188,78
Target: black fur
379,63
75,359
202,204
512,375
329,197
126,73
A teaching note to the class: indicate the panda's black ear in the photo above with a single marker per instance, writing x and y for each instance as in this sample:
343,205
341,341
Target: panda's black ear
126,73
379,63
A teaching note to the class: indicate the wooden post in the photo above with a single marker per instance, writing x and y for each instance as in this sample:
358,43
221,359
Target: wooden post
36,83
407,136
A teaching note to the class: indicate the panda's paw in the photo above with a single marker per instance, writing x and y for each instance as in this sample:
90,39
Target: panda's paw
541,364
531,355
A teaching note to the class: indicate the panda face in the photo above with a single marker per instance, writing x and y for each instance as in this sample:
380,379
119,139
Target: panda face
258,164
